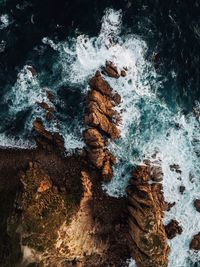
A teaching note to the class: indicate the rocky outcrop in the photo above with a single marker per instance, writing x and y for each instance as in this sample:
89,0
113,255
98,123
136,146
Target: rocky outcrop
197,204
148,239
45,138
172,229
102,120
195,243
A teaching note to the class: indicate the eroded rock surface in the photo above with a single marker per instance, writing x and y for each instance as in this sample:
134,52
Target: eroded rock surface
148,240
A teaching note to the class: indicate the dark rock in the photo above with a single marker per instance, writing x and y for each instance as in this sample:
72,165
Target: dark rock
181,189
172,229
197,204
195,243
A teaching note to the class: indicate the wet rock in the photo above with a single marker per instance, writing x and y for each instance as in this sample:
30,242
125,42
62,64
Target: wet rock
182,189
45,138
171,205
99,84
100,121
111,70
197,204
172,229
93,138
195,243
148,240
123,73
156,173
32,70
175,168
50,95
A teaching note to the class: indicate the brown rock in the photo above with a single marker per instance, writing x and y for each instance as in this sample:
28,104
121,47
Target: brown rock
50,95
156,173
123,73
195,243
99,84
172,229
96,157
148,240
197,204
93,138
100,121
96,101
111,70
141,174
45,137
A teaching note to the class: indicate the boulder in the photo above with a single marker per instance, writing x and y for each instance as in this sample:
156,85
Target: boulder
197,204
195,243
99,84
111,70
172,229
102,123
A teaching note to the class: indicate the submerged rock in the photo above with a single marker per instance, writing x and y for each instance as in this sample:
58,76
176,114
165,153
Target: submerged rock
172,229
195,243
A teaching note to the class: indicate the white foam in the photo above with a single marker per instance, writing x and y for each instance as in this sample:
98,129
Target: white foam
13,142
4,21
148,125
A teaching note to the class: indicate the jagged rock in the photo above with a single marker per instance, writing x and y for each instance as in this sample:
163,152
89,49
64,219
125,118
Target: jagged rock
195,243
96,157
99,84
141,174
45,137
181,189
93,138
107,172
111,70
156,173
148,240
100,121
100,102
172,229
175,168
197,204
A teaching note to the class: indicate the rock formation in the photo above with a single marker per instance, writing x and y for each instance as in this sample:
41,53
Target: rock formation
172,229
148,240
45,138
195,243
197,204
102,120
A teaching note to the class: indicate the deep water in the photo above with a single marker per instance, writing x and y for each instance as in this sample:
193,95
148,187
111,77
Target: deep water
67,41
